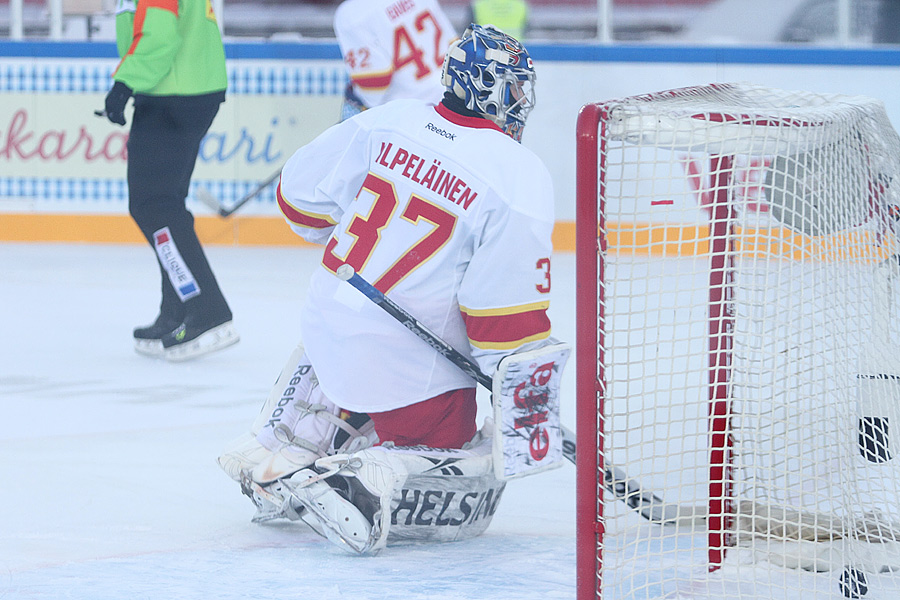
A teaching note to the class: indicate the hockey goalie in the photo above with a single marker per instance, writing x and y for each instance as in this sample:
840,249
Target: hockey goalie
369,434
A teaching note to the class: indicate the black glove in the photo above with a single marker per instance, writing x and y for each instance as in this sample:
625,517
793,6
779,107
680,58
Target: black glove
115,102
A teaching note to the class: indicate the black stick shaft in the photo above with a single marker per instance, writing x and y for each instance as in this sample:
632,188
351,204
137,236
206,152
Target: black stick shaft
347,273
413,324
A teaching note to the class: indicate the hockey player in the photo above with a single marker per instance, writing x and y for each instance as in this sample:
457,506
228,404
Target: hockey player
392,49
445,212
173,65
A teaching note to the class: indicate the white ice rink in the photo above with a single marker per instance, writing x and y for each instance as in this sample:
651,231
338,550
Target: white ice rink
110,488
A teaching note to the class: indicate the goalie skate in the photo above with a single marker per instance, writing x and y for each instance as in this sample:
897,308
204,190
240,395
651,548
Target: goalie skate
329,512
347,497
272,501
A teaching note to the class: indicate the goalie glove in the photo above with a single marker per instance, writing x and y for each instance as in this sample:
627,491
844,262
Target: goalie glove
528,436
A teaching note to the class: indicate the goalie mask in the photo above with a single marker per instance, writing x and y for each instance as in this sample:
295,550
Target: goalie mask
494,75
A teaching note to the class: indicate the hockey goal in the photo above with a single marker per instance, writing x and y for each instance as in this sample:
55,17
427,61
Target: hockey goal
738,370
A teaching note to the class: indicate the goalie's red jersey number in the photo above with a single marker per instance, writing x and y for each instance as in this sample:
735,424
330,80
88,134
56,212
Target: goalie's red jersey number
366,229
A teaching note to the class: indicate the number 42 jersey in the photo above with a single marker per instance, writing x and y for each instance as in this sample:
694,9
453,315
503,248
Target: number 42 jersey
445,214
394,48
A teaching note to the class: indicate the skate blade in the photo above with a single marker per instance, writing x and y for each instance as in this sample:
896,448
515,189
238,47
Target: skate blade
151,348
213,340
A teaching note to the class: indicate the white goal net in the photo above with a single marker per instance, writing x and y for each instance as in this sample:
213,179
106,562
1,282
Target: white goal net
738,365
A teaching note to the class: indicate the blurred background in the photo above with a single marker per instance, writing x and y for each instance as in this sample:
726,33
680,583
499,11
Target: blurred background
713,22
286,83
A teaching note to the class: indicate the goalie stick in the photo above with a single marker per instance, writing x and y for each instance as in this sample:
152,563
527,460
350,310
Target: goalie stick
204,196
624,488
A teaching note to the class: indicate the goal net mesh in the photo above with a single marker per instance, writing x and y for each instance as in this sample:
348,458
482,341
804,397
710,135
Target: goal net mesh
746,366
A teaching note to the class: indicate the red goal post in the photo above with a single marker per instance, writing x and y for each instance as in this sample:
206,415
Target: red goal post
736,259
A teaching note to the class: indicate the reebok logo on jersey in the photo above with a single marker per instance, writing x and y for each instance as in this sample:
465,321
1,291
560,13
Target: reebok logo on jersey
170,258
441,132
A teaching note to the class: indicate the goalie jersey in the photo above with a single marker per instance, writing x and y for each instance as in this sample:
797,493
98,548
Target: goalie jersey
393,48
445,214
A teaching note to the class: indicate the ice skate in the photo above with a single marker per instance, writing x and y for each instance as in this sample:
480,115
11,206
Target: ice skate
195,337
148,339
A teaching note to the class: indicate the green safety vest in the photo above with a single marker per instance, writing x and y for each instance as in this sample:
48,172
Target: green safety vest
169,47
510,16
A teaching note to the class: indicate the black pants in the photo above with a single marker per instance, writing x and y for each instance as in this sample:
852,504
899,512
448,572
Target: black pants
163,144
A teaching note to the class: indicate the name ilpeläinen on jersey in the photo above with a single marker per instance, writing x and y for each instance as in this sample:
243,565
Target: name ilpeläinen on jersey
427,173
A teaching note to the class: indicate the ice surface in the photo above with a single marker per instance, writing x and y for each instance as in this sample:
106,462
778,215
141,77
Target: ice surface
110,489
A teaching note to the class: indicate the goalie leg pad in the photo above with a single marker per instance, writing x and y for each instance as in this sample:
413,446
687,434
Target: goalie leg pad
297,373
364,500
310,429
448,495
296,425
245,452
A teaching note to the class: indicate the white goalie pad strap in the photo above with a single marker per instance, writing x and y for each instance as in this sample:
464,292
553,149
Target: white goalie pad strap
298,413
528,438
247,451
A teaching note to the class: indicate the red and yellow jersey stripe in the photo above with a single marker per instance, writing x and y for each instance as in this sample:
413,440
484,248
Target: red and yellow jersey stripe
302,218
376,81
507,328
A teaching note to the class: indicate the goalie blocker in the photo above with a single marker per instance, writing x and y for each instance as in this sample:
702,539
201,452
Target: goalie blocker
528,437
